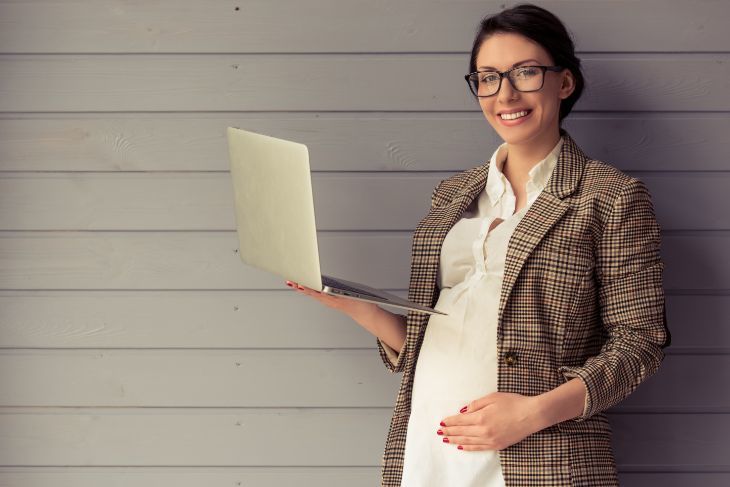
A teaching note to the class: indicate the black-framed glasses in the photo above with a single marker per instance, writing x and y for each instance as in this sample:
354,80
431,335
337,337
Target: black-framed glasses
522,78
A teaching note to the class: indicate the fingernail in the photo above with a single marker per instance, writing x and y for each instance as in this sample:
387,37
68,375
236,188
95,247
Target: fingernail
442,423
446,440
463,410
289,284
460,447
300,287
439,432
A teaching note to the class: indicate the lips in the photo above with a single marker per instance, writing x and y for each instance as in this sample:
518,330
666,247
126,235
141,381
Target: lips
513,122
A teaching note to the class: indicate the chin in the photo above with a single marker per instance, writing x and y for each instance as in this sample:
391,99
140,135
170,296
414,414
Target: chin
517,134
513,136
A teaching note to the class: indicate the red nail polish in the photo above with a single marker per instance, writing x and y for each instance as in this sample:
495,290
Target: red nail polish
442,423
460,447
446,440
439,432
463,410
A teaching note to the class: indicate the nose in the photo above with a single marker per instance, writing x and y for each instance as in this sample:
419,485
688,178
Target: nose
506,91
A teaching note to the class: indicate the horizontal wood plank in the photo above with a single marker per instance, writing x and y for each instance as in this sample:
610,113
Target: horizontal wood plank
278,476
193,476
203,378
300,437
429,141
175,319
193,437
255,319
333,82
210,260
340,26
343,202
292,378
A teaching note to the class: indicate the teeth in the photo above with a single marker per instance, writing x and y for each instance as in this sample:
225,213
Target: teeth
512,116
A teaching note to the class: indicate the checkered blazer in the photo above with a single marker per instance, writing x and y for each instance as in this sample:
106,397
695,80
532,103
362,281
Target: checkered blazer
582,296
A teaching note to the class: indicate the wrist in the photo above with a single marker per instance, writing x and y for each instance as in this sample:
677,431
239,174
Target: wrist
560,404
538,414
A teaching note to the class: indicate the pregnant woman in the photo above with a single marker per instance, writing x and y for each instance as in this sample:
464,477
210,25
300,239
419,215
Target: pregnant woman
547,263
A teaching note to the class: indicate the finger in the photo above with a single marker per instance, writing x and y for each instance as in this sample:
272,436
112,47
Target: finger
323,298
474,447
452,431
299,287
460,419
470,441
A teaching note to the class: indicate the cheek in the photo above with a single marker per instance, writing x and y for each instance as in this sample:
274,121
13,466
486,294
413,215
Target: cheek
487,108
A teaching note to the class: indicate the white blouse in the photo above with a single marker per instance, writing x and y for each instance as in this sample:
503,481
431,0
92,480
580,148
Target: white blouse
457,362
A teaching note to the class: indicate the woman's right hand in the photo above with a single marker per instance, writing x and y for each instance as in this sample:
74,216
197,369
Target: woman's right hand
351,307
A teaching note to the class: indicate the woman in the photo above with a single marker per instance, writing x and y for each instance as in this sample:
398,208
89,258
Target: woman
547,263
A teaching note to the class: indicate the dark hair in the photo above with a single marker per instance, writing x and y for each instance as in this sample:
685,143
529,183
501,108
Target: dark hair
546,29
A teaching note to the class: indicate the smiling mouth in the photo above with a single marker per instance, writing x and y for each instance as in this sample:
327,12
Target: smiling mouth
515,115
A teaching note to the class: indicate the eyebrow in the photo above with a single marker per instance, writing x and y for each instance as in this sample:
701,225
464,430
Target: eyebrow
514,65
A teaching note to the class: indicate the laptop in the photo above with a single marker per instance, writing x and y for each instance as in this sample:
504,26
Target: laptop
275,217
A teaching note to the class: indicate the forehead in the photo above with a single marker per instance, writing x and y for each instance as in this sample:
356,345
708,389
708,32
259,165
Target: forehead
503,50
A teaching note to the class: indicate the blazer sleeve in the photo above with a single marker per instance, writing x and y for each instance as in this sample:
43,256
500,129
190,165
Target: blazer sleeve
631,298
393,359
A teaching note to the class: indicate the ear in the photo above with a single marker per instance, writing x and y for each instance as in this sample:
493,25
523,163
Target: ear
567,84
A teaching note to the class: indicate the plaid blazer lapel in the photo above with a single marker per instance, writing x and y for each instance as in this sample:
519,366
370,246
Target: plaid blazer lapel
544,212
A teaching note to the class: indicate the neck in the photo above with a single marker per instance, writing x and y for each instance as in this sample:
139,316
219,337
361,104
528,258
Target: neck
523,157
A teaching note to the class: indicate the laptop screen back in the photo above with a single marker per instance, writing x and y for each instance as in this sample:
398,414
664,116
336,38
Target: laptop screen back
274,206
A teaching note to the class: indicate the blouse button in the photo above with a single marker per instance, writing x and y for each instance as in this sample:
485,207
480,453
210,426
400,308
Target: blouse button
510,358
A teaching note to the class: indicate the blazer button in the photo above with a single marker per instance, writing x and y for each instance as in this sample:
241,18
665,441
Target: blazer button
510,358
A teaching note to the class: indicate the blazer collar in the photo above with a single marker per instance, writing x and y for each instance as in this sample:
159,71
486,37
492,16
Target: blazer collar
563,181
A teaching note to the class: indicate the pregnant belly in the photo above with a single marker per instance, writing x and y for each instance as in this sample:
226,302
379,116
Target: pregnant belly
457,361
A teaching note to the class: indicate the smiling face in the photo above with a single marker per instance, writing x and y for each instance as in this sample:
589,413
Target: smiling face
502,51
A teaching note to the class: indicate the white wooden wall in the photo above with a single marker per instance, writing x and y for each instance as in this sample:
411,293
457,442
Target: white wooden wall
136,349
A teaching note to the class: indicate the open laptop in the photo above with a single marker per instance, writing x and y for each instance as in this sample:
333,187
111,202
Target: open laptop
275,216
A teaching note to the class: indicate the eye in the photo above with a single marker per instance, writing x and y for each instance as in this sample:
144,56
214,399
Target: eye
489,78
525,72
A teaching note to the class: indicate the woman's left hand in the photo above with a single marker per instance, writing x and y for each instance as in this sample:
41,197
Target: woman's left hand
492,422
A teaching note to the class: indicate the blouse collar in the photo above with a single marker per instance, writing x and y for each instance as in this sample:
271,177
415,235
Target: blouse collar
538,175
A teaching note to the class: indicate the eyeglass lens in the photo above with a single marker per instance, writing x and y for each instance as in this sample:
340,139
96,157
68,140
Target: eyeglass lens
523,79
